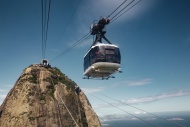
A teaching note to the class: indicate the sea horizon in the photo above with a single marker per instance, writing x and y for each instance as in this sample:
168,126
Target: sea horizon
165,119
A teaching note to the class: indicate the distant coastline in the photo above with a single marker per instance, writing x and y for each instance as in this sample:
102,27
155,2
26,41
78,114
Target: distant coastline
125,120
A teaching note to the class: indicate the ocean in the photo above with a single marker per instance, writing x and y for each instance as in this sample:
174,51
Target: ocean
182,118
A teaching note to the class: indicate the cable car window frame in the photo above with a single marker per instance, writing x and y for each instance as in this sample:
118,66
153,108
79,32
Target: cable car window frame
109,51
98,53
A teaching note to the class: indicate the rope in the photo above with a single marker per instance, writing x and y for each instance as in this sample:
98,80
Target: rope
68,110
66,107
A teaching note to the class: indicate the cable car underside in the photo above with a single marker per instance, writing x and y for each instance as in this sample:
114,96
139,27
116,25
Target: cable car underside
104,70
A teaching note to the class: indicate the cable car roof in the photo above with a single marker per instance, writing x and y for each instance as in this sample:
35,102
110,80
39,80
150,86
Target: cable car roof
101,44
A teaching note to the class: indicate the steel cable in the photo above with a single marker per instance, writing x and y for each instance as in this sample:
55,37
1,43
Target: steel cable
116,9
80,41
45,24
141,110
122,9
125,111
125,11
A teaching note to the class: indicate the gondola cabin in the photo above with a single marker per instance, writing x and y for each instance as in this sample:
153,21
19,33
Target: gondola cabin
101,61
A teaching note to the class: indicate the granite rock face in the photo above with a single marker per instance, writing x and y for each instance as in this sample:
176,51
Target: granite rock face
45,97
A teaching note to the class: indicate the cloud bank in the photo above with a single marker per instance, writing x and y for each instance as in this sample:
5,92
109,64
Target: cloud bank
136,82
157,97
147,99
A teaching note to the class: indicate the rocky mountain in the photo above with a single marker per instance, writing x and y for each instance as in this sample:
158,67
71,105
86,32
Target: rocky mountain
45,97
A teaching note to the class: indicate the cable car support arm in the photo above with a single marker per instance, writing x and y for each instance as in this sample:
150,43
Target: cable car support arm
99,38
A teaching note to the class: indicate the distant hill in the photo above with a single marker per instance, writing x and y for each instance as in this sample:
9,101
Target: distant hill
45,97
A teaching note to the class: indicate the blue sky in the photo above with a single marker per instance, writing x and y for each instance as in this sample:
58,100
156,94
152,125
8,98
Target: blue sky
154,39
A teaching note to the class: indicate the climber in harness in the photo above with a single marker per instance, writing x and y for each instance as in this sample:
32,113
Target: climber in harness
98,28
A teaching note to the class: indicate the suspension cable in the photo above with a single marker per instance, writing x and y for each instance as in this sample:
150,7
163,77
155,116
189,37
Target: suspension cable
142,110
45,24
68,110
85,37
80,41
125,111
116,9
42,28
105,121
115,124
125,11
66,107
122,9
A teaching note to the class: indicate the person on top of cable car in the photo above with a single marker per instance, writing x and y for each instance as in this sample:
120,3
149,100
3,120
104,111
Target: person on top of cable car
97,28
102,23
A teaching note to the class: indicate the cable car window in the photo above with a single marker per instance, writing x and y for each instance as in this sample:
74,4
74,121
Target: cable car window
102,50
118,56
86,61
110,55
110,51
100,54
93,55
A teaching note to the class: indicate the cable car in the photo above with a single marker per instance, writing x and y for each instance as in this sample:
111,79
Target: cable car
102,61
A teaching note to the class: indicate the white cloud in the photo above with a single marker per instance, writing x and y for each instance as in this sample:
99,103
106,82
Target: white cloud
145,99
157,97
135,83
176,118
134,118
139,112
92,90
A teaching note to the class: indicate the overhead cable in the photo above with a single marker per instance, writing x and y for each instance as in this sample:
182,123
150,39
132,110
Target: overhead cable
125,11
142,110
122,9
116,9
125,111
42,7
45,24
84,38
80,41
